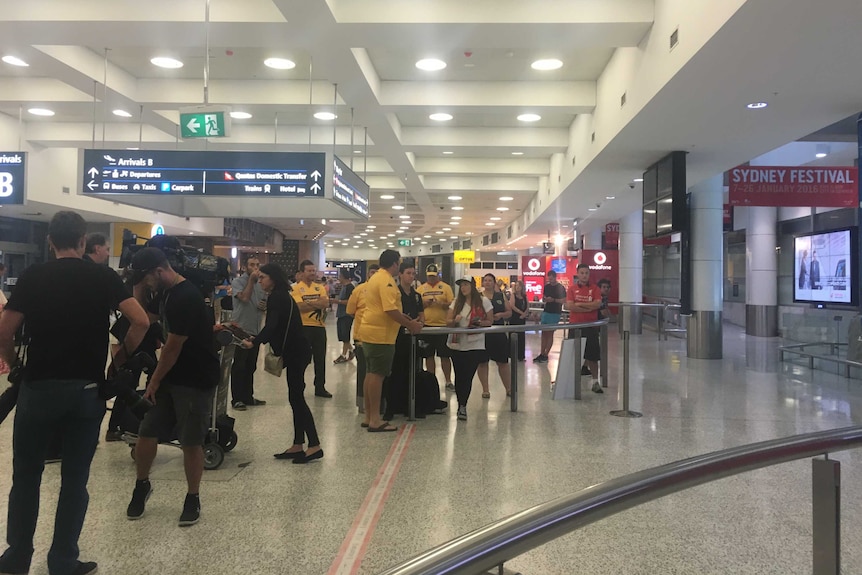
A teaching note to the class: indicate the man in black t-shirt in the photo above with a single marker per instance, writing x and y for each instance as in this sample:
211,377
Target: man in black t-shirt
554,296
182,386
65,305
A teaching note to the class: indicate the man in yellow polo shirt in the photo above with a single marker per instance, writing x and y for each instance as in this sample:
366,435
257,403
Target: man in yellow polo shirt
356,308
379,328
313,301
436,298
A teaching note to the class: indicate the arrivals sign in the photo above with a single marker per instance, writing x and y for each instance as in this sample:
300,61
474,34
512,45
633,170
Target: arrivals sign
196,173
833,187
13,169
349,189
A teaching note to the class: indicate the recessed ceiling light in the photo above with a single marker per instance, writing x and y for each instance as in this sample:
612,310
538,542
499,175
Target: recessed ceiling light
15,61
457,208
426,237
279,63
591,209
364,234
456,217
358,241
454,223
820,155
41,111
390,235
638,180
423,243
122,113
387,197
469,233
133,148
517,153
454,198
416,239
547,64
325,116
370,227
453,237
506,199
165,62
357,151
382,237
610,197
440,117
404,217
240,115
501,209
407,222
756,105
529,117
494,219
397,207
404,228
447,229
448,153
439,233
430,64
490,224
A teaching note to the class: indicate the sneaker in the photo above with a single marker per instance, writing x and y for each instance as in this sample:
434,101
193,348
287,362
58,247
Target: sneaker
597,387
88,568
239,406
142,492
322,393
585,370
112,436
191,510
340,359
256,402
541,359
462,413
450,386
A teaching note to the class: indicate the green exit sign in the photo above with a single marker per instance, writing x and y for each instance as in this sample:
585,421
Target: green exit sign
405,243
203,125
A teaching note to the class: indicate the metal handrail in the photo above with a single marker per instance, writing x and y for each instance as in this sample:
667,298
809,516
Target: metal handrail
799,350
498,542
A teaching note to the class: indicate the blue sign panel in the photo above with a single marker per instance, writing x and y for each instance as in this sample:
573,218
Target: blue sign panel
193,173
349,189
12,174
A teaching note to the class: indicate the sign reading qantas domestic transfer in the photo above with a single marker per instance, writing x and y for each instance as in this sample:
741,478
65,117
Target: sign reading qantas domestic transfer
349,189
831,187
193,173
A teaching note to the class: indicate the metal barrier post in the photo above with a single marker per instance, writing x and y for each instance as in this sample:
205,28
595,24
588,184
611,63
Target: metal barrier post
826,516
577,362
411,381
660,319
603,366
513,369
625,412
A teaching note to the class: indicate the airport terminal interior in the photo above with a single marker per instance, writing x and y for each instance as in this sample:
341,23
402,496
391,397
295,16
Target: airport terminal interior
701,156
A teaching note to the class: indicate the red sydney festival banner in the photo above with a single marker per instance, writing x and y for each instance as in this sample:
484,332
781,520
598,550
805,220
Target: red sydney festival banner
827,187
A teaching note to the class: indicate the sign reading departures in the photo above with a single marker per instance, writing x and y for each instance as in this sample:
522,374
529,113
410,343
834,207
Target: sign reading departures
193,173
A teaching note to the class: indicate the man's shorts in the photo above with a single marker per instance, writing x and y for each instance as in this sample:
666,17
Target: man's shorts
592,347
342,327
180,411
496,348
378,358
436,344
550,318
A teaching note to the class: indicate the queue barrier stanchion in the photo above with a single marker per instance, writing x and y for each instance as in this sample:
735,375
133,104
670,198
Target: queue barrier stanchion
603,366
577,364
660,318
411,381
625,411
513,370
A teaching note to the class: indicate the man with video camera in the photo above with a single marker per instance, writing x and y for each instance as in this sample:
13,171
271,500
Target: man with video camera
59,386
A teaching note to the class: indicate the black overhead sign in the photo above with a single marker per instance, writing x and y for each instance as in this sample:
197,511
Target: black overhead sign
193,173
12,172
349,189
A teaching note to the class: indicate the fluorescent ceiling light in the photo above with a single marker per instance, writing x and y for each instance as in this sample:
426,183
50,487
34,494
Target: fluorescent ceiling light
756,105
279,63
591,209
426,237
357,151
390,235
529,117
638,180
494,219
407,222
440,117
424,243
41,112
439,233
382,237
457,208
397,207
370,227
610,197
469,233
15,61
416,239
447,229
122,113
502,209
547,64
325,116
820,155
387,197
165,62
454,198
240,115
404,217
517,153
490,224
456,217
430,64
364,234
448,153
454,223
453,237
506,199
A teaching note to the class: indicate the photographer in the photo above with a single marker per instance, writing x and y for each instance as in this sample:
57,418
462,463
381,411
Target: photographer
66,356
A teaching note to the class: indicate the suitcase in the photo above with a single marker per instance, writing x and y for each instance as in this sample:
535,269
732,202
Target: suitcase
428,394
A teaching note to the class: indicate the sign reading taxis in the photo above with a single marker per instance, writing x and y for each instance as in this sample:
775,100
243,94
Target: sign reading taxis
465,256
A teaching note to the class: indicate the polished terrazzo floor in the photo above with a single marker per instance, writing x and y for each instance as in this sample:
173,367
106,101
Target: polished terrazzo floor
262,516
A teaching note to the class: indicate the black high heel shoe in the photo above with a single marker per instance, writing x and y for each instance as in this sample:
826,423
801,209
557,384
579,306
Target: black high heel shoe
308,458
289,455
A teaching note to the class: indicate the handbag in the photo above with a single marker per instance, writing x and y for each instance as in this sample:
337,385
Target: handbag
272,363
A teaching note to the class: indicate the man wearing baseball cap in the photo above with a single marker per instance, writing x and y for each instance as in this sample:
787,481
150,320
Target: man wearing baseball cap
436,296
182,386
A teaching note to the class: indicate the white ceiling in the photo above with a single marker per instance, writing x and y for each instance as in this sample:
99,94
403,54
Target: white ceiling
692,97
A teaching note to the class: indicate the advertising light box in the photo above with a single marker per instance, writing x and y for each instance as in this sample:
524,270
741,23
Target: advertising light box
198,173
824,267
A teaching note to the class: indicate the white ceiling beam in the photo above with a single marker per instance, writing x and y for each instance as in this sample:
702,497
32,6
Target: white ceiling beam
515,138
573,97
484,183
468,166
250,92
34,90
152,10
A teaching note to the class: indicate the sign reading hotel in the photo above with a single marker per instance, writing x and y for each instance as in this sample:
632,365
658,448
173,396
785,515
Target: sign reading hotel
194,173
830,187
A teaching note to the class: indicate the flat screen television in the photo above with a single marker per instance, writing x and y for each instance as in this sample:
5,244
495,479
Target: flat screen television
824,267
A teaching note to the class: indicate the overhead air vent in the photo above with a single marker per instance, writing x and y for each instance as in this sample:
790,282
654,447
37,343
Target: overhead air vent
674,39
436,249
593,137
623,99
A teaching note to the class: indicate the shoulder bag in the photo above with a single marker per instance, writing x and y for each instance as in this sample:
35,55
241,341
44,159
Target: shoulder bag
272,363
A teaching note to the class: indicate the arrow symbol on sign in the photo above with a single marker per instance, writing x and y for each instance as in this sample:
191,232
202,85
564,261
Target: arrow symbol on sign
315,174
193,125
93,172
315,187
92,185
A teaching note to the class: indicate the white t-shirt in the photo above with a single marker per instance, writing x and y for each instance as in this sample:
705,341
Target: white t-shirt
468,341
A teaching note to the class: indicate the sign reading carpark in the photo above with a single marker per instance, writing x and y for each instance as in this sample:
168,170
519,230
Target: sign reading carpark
12,173
198,173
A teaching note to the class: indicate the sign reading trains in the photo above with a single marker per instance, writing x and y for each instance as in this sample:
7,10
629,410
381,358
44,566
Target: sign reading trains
193,173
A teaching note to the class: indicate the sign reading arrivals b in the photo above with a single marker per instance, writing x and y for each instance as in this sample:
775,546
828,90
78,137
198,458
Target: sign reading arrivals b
12,173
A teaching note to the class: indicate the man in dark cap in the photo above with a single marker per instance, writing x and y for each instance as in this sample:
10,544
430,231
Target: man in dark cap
182,386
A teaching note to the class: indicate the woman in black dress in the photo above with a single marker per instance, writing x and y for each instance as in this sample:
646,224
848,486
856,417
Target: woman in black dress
283,331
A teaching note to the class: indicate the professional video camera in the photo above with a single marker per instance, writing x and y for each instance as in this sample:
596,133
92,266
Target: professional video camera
124,383
206,271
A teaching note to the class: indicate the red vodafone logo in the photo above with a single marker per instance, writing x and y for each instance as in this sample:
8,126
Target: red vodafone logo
600,258
534,265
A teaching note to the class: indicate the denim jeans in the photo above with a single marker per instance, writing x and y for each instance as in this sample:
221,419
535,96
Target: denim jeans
73,409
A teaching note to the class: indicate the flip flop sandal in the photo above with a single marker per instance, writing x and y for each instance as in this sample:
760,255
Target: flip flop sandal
382,429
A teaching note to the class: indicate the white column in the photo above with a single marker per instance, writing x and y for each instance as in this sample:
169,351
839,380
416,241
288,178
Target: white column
631,258
707,233
761,272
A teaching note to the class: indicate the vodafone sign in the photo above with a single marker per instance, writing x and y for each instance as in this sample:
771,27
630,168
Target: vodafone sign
534,264
600,258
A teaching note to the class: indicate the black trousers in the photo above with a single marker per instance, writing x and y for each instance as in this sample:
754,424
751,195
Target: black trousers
316,336
522,341
242,374
396,386
303,420
465,363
